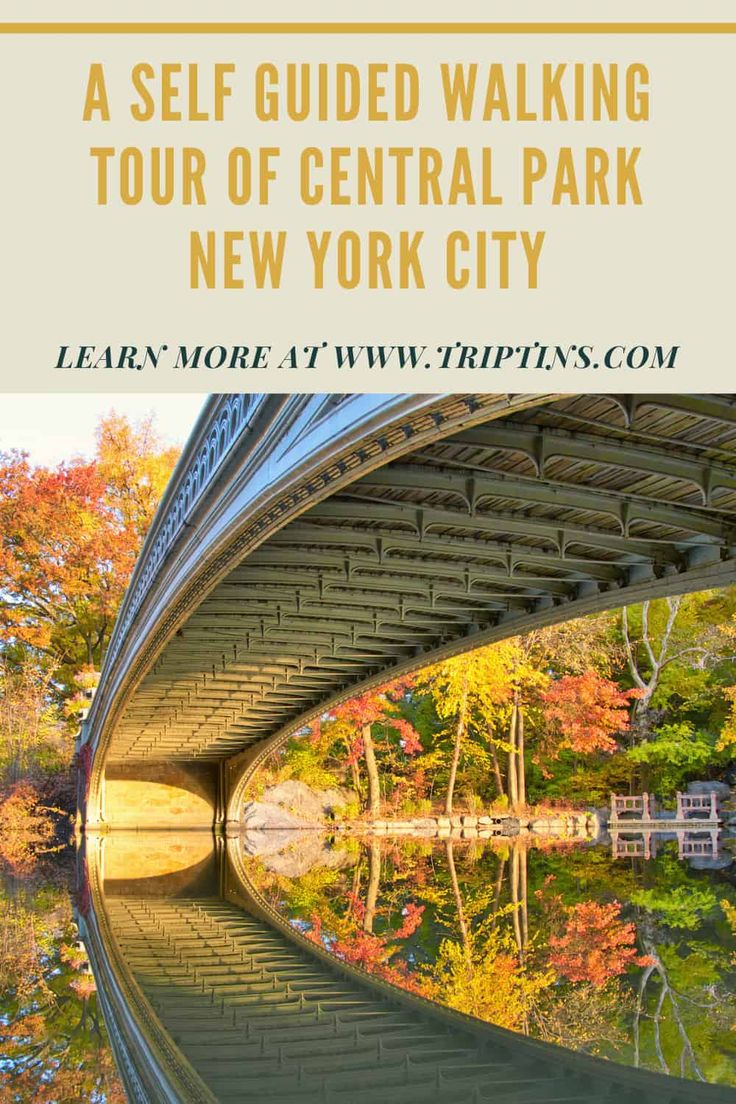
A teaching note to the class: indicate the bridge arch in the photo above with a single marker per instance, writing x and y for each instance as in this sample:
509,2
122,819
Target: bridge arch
311,546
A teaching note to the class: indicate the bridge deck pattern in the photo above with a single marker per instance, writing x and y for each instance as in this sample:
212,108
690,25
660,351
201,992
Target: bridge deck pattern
470,536
258,1017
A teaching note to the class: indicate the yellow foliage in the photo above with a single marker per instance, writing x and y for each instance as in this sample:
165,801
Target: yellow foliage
728,732
485,979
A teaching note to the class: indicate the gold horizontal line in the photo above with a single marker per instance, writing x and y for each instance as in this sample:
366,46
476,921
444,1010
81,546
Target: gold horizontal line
377,28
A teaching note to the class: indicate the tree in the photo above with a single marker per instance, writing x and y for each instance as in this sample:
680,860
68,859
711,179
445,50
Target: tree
595,945
671,641
135,467
468,691
30,735
674,753
69,537
28,828
727,738
587,711
354,721
64,559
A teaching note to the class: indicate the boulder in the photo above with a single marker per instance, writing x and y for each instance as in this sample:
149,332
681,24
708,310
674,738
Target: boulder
264,816
721,789
701,862
305,803
292,854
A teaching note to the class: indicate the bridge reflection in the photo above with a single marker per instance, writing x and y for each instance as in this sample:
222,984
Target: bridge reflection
210,995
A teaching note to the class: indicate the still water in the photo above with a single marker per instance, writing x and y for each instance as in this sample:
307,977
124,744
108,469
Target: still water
625,958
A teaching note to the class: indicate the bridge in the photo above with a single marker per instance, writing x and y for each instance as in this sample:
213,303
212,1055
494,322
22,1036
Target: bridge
309,547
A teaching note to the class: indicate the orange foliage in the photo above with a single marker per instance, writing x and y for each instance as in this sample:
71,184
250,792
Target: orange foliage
596,944
588,711
27,828
372,707
69,537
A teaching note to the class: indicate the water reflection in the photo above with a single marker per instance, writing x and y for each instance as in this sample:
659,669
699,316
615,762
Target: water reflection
53,1045
632,960
251,956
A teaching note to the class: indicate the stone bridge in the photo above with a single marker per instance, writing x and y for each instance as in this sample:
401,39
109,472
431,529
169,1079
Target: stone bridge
311,546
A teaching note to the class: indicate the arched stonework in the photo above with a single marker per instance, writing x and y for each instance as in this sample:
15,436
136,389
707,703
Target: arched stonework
335,543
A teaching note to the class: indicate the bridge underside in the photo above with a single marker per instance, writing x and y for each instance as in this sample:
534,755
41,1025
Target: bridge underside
573,504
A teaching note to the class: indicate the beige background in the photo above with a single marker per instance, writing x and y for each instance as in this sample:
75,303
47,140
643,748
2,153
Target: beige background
74,273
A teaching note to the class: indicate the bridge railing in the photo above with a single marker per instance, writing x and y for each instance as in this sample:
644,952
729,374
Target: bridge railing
224,418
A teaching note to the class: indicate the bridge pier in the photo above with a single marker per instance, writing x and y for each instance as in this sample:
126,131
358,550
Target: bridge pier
156,794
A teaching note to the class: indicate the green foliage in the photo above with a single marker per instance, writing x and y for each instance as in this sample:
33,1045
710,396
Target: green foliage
682,906
307,892
304,762
676,753
350,810
583,782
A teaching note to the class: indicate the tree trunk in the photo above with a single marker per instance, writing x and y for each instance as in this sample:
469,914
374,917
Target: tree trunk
521,765
374,782
516,899
459,733
355,774
464,933
497,769
374,881
498,890
513,775
519,901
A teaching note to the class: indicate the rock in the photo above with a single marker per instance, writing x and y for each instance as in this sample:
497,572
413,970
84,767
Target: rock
545,827
456,821
293,854
425,822
486,820
443,822
721,789
265,816
470,821
304,802
269,842
700,862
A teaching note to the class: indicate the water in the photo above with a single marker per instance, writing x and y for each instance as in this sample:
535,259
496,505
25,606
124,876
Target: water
628,959
53,1043
624,958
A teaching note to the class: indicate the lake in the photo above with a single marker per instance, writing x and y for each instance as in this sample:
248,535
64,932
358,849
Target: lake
625,958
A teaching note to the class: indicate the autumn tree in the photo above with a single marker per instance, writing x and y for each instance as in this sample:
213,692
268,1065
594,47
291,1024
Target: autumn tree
135,467
595,945
587,712
671,644
30,732
356,720
468,691
64,559
69,537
